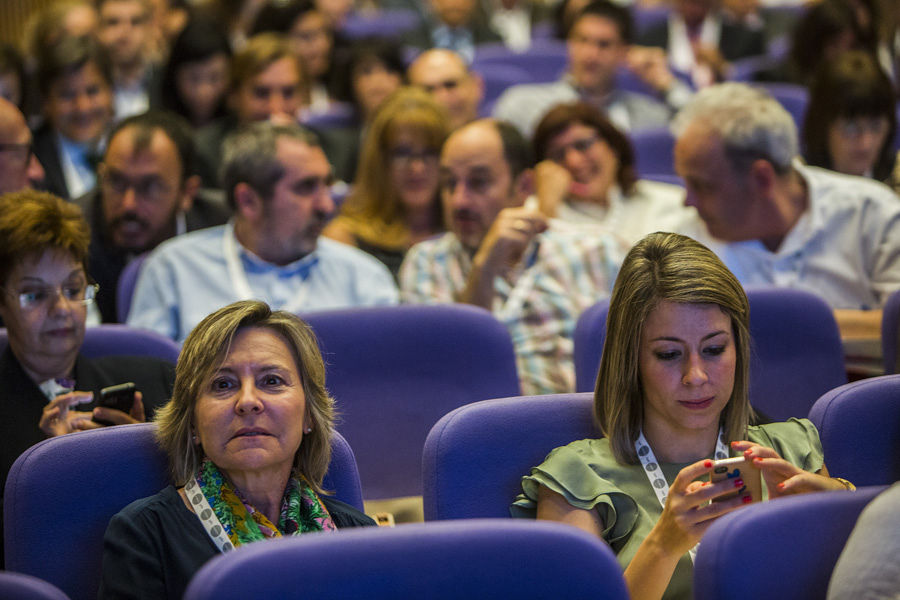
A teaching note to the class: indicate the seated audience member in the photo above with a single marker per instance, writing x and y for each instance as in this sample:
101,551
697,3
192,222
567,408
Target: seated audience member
445,75
372,70
598,46
513,20
826,30
126,33
267,82
12,75
19,167
195,79
394,203
776,222
868,568
49,388
501,256
311,37
148,193
452,24
586,175
58,19
277,183
248,436
851,119
368,71
76,87
671,393
699,41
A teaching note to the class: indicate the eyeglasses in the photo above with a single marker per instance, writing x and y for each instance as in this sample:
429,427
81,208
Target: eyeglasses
581,146
24,151
862,125
403,156
39,297
146,187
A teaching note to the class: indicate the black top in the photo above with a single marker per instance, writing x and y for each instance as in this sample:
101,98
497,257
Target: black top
22,402
154,546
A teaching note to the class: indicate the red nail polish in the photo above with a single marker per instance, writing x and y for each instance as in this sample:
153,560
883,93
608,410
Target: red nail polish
707,464
757,460
781,486
738,483
747,499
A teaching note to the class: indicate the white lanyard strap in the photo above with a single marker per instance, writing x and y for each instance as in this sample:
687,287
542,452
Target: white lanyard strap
207,516
654,472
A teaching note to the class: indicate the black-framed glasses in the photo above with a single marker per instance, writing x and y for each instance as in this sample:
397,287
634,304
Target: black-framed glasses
581,146
404,156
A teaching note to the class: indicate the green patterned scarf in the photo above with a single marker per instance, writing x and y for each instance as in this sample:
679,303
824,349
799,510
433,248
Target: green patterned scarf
301,509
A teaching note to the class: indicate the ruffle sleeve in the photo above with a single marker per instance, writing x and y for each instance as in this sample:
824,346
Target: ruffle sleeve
576,472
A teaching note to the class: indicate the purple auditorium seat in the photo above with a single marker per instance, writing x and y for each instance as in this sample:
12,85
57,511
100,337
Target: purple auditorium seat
794,98
654,151
479,560
16,586
859,425
545,60
62,492
795,350
394,371
384,23
114,339
781,549
890,321
497,78
475,456
125,286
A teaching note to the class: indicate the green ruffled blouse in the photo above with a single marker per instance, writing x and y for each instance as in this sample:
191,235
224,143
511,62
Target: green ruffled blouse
588,476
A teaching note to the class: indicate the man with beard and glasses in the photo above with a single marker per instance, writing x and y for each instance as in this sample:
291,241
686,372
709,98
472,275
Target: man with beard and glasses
278,184
504,255
147,193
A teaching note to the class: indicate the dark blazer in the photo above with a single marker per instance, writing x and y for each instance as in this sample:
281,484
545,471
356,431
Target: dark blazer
421,37
22,401
46,150
105,261
737,40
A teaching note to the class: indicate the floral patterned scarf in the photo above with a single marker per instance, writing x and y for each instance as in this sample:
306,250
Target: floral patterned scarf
301,509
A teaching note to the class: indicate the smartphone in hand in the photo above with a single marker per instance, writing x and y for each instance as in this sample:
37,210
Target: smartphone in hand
738,468
120,397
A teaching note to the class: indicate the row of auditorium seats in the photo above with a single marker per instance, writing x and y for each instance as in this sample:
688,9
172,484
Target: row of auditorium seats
61,492
395,371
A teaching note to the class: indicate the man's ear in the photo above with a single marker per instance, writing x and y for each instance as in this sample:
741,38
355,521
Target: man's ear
189,190
524,186
247,203
763,177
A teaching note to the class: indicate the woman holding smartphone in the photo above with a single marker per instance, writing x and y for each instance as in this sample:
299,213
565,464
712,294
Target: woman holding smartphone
671,398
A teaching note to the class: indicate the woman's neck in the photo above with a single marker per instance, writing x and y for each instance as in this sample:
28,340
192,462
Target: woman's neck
680,446
263,490
54,368
422,224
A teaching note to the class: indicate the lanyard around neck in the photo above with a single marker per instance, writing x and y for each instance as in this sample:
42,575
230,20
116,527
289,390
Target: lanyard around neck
207,516
653,470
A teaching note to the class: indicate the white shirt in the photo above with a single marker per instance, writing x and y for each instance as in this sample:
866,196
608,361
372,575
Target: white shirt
845,247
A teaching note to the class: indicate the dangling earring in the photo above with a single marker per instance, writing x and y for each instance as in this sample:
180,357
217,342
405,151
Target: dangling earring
307,430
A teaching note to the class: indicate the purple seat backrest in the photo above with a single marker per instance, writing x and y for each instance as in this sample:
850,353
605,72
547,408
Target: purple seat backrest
115,339
654,151
394,371
476,456
795,354
795,543
859,425
890,321
62,492
17,586
479,559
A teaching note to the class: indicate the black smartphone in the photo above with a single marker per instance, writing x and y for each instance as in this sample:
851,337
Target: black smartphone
120,397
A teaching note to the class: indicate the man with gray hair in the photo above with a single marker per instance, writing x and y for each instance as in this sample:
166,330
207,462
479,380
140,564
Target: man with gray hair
775,221
277,181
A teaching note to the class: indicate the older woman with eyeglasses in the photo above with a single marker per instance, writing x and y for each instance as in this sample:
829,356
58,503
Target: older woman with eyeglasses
48,388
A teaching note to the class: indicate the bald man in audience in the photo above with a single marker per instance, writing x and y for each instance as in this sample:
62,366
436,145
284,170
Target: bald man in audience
446,76
504,256
19,167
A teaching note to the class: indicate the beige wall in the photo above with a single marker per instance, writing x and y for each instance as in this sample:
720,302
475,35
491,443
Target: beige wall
13,14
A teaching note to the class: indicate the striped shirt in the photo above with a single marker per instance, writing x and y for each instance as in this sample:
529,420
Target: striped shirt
564,273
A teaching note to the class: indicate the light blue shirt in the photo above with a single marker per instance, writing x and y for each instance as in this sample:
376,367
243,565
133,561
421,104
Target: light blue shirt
187,277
